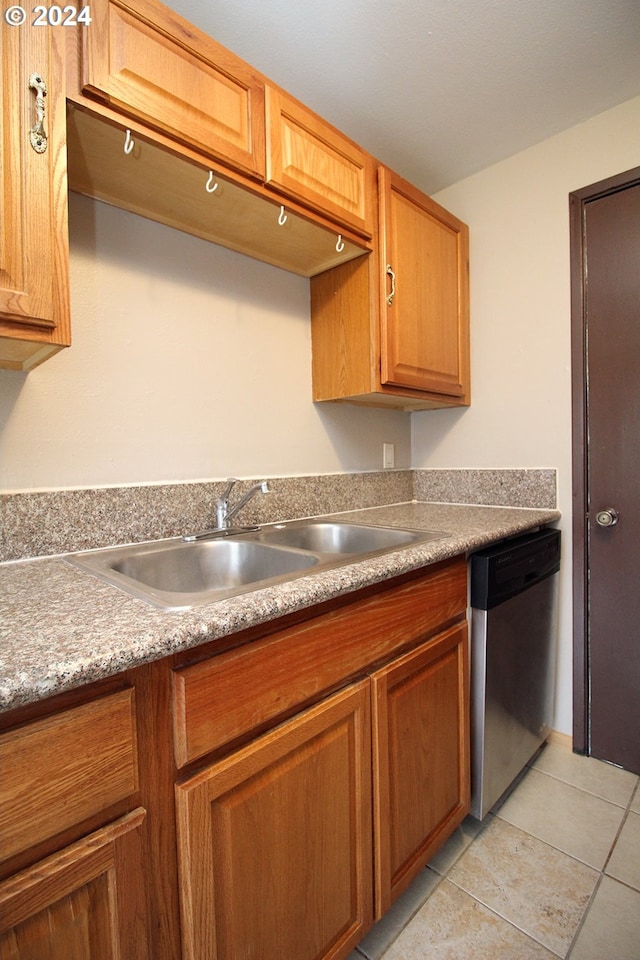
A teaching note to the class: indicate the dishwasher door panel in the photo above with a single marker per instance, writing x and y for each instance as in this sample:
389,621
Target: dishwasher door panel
513,654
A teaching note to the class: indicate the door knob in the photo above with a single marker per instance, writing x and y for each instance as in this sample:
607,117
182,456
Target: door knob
607,518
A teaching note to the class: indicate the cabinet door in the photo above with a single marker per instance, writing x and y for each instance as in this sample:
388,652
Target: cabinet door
275,841
34,254
146,61
310,160
421,758
424,312
84,903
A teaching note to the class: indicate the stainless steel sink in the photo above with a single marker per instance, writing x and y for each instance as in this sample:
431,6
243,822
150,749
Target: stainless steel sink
337,538
174,574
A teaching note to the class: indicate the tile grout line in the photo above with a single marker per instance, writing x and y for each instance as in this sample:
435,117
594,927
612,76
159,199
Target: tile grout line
584,916
510,923
619,831
603,874
495,813
589,793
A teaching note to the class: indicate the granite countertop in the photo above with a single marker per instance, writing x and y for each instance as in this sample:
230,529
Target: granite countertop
61,627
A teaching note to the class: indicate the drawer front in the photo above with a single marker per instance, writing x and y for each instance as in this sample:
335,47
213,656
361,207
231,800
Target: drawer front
230,695
59,770
149,63
313,162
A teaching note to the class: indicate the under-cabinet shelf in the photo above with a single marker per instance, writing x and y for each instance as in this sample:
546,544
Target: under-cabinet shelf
163,186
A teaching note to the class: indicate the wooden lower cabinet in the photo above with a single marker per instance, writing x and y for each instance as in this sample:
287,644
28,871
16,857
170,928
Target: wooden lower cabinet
86,902
421,758
264,801
291,845
275,841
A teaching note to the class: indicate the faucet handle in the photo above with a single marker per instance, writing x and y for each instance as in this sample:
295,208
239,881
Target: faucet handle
231,482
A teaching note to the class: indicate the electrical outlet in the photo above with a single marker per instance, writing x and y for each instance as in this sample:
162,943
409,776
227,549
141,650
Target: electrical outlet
388,455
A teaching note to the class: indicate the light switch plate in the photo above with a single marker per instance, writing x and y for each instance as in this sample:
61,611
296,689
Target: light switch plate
388,455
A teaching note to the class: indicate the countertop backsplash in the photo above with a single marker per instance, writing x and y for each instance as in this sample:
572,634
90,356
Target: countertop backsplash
47,523
535,489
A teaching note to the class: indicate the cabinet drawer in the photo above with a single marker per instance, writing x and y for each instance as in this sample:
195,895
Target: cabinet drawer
313,162
230,695
151,64
59,770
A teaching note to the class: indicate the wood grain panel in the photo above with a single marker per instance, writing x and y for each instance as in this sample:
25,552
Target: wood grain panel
151,64
64,768
34,252
421,758
167,186
220,699
414,353
425,329
85,902
309,159
275,840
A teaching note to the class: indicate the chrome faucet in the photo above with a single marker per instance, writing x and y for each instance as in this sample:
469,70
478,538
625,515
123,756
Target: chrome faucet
224,515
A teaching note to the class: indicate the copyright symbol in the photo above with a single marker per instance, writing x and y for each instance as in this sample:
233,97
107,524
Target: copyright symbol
15,16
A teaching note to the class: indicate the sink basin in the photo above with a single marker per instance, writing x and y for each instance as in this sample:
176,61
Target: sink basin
173,574
338,538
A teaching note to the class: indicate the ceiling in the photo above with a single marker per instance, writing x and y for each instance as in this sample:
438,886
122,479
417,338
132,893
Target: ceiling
438,89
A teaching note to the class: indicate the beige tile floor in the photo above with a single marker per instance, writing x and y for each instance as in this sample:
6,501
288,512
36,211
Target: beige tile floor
554,871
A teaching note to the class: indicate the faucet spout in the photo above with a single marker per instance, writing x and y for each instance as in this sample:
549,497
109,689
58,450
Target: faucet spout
224,515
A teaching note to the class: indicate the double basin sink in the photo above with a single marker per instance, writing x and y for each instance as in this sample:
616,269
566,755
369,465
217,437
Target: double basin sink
175,574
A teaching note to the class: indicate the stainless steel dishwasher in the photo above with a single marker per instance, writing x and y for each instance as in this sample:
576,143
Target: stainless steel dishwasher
513,654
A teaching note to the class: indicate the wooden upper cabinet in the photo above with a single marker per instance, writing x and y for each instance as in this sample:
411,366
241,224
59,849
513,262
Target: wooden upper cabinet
392,329
34,245
310,160
424,319
147,62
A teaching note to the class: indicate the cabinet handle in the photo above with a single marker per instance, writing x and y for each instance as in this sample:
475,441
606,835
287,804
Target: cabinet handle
37,134
391,274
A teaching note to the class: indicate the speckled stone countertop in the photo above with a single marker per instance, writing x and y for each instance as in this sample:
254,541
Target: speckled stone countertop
61,627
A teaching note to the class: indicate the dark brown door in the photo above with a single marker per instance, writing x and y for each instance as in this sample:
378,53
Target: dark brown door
606,238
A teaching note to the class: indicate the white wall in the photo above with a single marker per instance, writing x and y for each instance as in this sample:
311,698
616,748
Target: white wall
191,362
188,362
518,216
